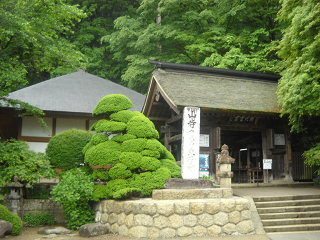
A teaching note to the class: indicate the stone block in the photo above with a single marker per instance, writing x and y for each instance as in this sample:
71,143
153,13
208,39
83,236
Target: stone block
229,228
5,228
114,228
189,220
113,218
182,207
221,218
184,231
136,208
200,231
109,206
57,230
167,233
129,221
197,207
175,221
157,194
227,193
103,205
213,207
118,207
127,208
97,218
179,183
123,230
245,227
205,220
228,205
138,232
93,229
234,217
121,218
143,220
245,215
97,207
214,230
166,208
214,193
104,218
161,222
149,208
153,232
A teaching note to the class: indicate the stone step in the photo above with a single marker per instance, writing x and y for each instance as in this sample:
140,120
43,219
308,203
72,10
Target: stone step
289,215
284,198
292,228
308,208
288,203
290,221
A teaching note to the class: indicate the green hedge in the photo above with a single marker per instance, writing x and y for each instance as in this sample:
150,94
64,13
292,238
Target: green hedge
142,127
39,219
65,148
7,215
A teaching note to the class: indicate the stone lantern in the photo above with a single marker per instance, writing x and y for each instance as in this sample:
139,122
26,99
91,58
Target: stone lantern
225,173
14,195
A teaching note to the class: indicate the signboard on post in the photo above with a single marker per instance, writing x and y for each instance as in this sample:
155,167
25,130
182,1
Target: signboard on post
267,164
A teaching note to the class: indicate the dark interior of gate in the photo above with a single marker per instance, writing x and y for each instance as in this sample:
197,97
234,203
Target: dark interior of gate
246,148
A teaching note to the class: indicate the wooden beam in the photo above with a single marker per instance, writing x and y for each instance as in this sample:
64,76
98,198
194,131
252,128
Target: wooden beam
174,119
172,129
159,104
157,119
35,139
175,138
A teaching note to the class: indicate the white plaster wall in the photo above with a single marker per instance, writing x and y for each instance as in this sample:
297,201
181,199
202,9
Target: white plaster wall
31,128
64,124
38,146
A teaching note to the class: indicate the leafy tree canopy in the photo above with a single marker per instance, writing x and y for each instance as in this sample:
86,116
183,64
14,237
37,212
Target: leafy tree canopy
299,88
240,35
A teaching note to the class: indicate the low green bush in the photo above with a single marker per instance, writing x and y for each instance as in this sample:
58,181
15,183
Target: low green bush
39,219
7,215
112,103
74,191
65,149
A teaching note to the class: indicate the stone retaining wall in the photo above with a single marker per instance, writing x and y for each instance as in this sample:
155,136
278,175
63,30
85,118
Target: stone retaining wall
37,206
176,218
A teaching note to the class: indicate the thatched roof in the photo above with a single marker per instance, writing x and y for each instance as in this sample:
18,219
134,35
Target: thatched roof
77,92
213,89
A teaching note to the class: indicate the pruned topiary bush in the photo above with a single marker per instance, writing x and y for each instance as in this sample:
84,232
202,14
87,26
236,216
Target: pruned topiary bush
7,215
133,159
65,149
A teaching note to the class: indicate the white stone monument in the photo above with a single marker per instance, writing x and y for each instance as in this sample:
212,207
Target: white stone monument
190,143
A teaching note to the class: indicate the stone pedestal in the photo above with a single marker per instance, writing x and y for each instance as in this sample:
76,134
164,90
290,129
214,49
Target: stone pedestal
225,173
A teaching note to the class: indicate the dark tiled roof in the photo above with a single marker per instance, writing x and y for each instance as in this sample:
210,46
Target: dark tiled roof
219,91
77,92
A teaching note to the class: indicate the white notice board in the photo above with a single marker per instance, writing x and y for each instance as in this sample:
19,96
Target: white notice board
267,164
204,140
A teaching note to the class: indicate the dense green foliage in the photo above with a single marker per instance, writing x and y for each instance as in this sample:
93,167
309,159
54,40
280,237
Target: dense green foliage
39,219
65,149
241,35
299,88
37,192
17,160
134,160
112,103
32,45
74,191
7,215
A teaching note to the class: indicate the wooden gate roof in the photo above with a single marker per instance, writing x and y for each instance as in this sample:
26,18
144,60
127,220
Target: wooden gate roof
212,89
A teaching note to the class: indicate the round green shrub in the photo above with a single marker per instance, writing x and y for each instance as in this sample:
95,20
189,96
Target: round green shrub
119,171
155,145
100,192
103,154
149,164
112,103
142,127
116,185
124,116
109,126
121,138
100,174
65,149
150,153
172,166
99,138
7,215
134,145
131,159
